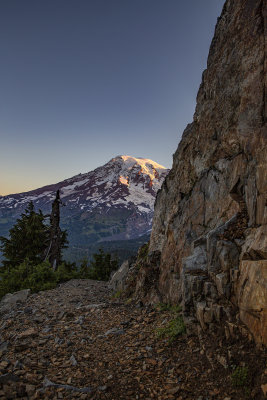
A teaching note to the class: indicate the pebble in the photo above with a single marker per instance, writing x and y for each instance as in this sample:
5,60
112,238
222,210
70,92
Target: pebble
80,320
114,331
4,347
48,383
73,360
27,310
102,388
7,378
18,365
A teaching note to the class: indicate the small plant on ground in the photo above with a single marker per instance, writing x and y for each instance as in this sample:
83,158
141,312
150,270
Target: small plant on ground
175,327
239,377
117,294
169,307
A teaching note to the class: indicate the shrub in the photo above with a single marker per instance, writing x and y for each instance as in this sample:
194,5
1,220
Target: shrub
66,271
42,277
35,277
13,281
173,329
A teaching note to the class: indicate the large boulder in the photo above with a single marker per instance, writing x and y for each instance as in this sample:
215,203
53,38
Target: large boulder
11,299
119,277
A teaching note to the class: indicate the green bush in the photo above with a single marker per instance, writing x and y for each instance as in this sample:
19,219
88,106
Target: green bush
173,329
35,277
13,281
66,271
42,277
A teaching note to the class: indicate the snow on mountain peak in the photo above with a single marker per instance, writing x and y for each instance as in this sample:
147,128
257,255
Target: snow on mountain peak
143,162
124,181
124,189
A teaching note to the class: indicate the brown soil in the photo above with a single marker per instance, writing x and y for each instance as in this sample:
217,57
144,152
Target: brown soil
59,337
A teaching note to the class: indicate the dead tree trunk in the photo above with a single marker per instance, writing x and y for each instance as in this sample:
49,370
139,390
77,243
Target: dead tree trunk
55,234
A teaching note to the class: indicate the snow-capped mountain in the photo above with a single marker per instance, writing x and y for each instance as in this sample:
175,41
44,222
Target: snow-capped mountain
113,202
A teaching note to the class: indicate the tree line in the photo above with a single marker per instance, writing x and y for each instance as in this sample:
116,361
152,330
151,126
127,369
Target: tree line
33,254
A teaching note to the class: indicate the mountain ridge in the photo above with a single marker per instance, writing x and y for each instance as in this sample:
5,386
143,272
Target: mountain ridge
113,202
85,173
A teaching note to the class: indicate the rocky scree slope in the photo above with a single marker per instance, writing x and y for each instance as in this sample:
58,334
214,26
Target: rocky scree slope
113,202
209,238
74,342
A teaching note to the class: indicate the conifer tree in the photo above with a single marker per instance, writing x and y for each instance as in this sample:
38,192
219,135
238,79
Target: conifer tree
27,239
102,265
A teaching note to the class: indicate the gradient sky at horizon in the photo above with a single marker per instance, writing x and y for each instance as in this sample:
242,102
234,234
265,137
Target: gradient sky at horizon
84,81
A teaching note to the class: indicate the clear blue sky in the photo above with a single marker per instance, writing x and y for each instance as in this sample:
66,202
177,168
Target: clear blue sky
84,81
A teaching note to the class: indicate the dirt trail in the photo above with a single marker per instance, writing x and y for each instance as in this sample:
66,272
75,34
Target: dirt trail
76,342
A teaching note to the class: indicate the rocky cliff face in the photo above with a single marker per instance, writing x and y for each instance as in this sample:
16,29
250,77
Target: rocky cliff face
211,213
